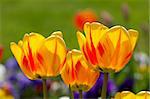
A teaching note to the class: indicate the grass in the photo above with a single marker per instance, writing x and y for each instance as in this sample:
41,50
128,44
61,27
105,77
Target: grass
45,16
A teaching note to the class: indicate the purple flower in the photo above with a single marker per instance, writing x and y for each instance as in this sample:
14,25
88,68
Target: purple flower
11,64
12,78
111,88
23,81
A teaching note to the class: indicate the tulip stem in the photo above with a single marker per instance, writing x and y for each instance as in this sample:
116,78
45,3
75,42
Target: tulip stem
71,93
104,87
80,94
44,89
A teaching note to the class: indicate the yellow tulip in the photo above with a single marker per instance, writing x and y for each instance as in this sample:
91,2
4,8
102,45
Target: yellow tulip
143,95
76,72
125,95
108,50
5,95
40,57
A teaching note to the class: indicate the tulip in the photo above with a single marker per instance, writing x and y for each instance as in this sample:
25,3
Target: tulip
125,95
76,74
143,95
130,95
40,57
84,16
5,95
107,50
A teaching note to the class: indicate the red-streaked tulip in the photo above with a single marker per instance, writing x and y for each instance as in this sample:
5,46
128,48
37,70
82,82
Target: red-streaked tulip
125,95
84,16
107,49
76,72
143,95
40,57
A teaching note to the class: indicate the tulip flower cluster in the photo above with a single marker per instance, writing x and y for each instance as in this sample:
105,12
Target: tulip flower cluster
102,50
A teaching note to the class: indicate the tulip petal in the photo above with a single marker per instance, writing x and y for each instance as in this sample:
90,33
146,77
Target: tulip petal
74,55
89,76
94,32
58,33
34,39
125,95
81,39
105,51
31,44
143,95
56,49
118,32
124,55
133,37
118,35
20,43
18,53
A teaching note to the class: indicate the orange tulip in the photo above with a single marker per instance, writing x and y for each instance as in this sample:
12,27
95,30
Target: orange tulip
76,72
107,49
40,57
84,16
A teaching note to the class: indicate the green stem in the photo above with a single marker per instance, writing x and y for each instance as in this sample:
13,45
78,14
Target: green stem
104,88
80,94
44,89
71,93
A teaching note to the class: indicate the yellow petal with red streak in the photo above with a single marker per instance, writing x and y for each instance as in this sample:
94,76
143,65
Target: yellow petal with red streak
56,49
18,53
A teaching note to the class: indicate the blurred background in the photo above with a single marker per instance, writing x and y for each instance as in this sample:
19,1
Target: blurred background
18,17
